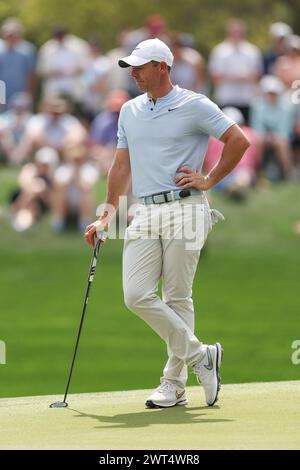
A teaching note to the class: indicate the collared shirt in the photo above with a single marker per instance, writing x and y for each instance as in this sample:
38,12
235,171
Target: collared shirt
68,57
26,48
229,59
15,70
166,135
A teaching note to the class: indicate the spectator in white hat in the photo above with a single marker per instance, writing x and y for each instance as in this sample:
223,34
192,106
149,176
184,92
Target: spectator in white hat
272,118
279,32
287,67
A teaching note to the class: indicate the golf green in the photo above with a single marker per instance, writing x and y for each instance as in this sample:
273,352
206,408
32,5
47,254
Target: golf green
247,416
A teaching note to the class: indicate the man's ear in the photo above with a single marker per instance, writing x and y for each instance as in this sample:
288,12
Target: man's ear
163,66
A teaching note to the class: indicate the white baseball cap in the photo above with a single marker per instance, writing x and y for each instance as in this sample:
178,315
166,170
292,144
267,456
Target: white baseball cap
280,30
293,42
48,156
11,26
234,114
145,51
271,84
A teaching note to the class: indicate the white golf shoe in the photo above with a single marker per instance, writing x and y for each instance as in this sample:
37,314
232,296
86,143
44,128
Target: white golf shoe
207,372
167,394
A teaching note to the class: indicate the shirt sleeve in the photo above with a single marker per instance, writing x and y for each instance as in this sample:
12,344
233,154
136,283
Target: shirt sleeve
122,139
211,120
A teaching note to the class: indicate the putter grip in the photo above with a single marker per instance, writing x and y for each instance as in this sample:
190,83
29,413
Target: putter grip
97,244
100,236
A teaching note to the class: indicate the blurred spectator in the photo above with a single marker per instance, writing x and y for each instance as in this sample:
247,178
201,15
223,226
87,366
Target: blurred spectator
238,183
53,127
96,80
287,67
155,26
279,32
17,60
272,118
188,66
33,196
296,139
73,184
13,26
13,123
235,66
118,77
61,63
104,129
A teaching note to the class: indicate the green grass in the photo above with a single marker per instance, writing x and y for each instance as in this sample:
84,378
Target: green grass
247,416
245,295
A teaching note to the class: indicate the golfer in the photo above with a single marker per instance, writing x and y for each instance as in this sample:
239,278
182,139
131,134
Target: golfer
162,140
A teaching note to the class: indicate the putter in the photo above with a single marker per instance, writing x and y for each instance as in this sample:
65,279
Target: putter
64,404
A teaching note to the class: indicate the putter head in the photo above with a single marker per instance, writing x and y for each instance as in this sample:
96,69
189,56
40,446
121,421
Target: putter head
59,404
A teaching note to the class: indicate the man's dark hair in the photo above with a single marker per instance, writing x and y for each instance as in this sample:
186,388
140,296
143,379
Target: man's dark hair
59,31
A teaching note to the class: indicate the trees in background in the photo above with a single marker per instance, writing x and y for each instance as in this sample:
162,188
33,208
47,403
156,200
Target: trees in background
203,18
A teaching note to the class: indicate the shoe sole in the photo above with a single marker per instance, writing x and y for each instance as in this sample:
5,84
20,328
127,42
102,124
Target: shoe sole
219,359
151,404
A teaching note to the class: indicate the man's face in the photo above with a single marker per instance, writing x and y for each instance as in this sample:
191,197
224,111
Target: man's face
236,31
11,39
147,76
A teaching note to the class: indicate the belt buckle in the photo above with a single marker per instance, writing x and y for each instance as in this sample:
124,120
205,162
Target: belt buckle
184,193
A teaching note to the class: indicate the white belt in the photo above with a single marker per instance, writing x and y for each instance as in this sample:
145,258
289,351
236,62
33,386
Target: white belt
169,196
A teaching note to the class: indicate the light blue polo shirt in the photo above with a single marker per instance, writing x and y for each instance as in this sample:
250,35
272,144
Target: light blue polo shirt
164,136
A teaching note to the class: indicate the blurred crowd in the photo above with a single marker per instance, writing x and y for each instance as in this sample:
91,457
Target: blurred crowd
58,123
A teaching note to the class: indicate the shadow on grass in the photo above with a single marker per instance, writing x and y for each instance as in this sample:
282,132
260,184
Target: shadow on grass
174,415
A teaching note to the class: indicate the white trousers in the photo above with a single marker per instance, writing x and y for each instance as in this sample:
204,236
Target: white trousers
164,241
